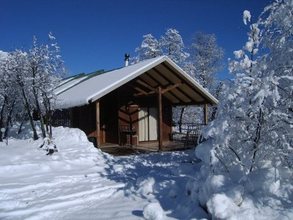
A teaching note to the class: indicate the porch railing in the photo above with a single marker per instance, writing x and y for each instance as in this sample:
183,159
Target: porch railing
189,134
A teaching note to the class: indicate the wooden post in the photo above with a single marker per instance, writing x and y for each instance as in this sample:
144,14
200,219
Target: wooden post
205,114
98,128
160,118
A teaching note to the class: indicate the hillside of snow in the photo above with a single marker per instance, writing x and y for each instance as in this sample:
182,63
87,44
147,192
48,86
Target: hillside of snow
81,182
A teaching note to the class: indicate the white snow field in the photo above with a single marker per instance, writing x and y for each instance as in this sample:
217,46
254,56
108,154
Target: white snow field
81,182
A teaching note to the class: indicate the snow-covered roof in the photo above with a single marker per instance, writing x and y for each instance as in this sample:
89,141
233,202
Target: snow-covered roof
83,90
69,82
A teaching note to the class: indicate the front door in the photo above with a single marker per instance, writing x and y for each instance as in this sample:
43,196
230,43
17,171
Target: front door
148,124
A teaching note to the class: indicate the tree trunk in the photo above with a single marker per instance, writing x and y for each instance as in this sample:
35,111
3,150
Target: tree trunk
214,112
9,117
2,118
217,95
180,119
27,107
48,110
20,128
257,138
47,124
39,112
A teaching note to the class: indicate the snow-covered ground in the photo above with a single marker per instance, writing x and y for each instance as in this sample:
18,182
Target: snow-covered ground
81,182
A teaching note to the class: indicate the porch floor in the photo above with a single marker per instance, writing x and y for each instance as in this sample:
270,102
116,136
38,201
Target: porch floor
146,147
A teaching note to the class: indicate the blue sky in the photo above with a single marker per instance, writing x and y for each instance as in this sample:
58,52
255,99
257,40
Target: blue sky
95,34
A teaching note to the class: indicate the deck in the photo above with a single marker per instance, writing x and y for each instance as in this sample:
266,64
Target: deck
146,147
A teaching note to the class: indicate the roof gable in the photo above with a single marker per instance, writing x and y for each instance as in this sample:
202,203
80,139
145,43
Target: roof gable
81,91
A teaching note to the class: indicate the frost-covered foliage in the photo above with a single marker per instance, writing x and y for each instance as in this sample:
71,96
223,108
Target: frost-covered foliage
171,44
246,16
45,69
251,140
206,59
149,48
27,82
13,87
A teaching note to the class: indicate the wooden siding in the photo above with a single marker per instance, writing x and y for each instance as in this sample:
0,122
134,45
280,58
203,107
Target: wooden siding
84,118
109,119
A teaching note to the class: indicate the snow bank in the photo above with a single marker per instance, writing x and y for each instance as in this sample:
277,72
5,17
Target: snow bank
39,186
153,211
81,182
146,186
265,193
22,155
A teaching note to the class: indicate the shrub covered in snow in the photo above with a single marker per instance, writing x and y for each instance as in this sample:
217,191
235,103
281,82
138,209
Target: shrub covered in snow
153,211
248,152
146,186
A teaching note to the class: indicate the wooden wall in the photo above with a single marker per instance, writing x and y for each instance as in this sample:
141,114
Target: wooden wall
167,120
84,118
119,110
109,119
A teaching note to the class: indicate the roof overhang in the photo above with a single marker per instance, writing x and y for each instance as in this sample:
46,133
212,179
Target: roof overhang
177,86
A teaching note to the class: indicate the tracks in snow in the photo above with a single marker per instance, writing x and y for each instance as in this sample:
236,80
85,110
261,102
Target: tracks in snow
47,194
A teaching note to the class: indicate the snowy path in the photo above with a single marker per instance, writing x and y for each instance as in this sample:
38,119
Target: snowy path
80,182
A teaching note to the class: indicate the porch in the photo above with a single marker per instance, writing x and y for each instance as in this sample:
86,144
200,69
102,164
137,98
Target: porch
146,147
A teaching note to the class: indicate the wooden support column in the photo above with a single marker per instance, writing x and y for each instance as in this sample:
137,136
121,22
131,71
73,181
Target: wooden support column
160,118
205,114
98,127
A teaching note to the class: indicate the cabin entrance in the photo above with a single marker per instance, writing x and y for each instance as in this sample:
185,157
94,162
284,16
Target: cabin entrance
148,124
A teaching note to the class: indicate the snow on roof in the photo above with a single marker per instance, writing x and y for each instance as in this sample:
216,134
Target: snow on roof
83,90
69,82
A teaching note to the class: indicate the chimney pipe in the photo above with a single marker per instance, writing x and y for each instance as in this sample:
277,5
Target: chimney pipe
126,59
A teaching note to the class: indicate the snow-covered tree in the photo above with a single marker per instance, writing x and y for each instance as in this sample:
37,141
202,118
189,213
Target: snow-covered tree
252,136
253,128
173,46
45,70
203,64
17,71
206,59
3,92
170,44
149,48
28,79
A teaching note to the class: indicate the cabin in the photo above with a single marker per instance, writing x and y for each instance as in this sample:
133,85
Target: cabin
130,106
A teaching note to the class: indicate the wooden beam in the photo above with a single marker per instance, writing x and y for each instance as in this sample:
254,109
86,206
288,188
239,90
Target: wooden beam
98,124
190,103
144,94
182,79
154,79
169,88
140,90
171,82
205,114
160,118
145,85
145,78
